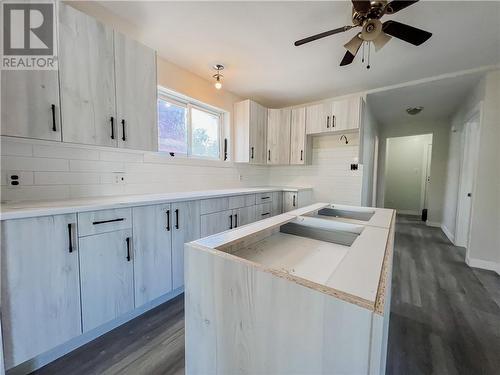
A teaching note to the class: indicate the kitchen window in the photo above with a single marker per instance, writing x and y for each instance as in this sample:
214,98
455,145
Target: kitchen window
188,128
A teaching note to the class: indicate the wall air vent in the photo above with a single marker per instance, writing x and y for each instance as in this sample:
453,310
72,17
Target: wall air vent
414,110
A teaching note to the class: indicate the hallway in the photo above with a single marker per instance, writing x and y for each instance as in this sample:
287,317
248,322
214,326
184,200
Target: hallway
445,319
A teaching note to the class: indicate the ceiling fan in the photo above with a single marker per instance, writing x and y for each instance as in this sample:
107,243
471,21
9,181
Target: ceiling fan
367,14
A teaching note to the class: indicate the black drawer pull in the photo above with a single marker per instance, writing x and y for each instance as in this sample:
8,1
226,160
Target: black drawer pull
168,220
269,155
128,249
112,120
265,197
251,155
301,155
230,221
267,213
333,121
70,237
124,138
293,200
53,108
236,221
108,221
327,121
176,218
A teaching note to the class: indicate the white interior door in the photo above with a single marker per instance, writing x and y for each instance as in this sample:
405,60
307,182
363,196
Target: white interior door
427,176
467,176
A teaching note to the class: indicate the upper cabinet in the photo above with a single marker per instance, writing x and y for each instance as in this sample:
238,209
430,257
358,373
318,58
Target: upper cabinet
30,104
339,115
136,94
298,140
278,136
250,127
87,77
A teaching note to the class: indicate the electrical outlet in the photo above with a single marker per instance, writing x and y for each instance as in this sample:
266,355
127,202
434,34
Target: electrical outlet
120,178
14,179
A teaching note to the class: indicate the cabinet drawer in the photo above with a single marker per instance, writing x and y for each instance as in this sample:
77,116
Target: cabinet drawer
96,222
207,206
263,198
263,210
250,200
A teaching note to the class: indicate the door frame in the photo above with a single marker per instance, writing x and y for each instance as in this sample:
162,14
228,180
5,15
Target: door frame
463,239
426,175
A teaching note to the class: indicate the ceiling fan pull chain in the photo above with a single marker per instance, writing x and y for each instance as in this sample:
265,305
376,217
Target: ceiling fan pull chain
363,58
368,65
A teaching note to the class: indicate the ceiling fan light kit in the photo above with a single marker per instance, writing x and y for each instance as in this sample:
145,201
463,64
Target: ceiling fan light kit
218,76
366,14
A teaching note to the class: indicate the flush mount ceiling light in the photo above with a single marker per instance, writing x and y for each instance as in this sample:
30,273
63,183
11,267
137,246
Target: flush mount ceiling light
414,110
218,76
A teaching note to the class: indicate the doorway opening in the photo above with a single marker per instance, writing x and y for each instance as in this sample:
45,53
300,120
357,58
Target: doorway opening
408,174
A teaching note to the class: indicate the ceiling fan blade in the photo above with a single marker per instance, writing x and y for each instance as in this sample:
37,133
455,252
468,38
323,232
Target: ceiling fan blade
348,58
381,41
353,45
361,6
322,35
407,33
397,5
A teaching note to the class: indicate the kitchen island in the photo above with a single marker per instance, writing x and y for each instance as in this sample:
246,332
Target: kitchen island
295,293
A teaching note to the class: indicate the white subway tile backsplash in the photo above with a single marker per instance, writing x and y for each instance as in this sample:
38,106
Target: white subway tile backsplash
65,178
60,152
124,157
29,193
95,166
21,163
13,148
24,178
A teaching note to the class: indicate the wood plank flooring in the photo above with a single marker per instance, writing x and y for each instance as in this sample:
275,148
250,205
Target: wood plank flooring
445,319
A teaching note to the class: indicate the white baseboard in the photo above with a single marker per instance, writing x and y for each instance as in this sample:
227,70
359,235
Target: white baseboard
448,234
483,264
409,212
433,224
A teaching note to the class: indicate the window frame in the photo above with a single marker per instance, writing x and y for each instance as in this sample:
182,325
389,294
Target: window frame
189,103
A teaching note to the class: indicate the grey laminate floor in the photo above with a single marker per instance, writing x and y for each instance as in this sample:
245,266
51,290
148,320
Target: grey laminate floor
445,319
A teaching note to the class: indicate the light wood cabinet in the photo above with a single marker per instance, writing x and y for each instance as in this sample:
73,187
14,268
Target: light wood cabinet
30,104
40,285
186,228
152,228
319,118
347,114
136,94
277,203
87,76
278,136
250,128
334,116
216,222
244,215
107,277
290,201
299,147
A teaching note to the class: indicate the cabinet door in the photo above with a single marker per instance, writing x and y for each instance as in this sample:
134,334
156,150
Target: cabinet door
258,133
136,94
186,228
216,222
354,113
87,75
298,136
278,136
30,104
319,118
40,285
277,203
340,114
152,228
107,277
263,211
244,215
290,201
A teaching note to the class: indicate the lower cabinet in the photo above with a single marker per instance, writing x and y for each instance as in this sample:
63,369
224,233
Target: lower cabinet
290,201
40,286
107,277
152,227
216,222
243,216
277,203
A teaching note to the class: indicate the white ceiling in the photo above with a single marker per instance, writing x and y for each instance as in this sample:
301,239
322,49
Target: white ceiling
439,98
255,42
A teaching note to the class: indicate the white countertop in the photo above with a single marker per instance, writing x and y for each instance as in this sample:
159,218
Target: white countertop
56,207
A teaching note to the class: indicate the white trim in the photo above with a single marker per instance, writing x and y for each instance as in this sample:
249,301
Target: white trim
409,212
483,264
448,233
433,224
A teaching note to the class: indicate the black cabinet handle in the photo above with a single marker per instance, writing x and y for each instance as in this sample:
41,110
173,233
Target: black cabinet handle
225,149
53,108
269,155
251,154
333,121
108,221
176,218
236,221
293,203
124,138
70,237
265,197
112,127
230,221
267,213
301,155
327,121
128,249
168,220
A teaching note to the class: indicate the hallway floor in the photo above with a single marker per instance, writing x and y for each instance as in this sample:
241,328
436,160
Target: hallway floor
445,319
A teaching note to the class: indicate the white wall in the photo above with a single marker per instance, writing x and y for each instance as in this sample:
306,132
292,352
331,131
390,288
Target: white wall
329,172
440,139
484,245
405,171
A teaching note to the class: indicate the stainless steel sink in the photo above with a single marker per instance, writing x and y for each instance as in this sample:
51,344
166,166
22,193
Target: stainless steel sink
322,230
355,214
